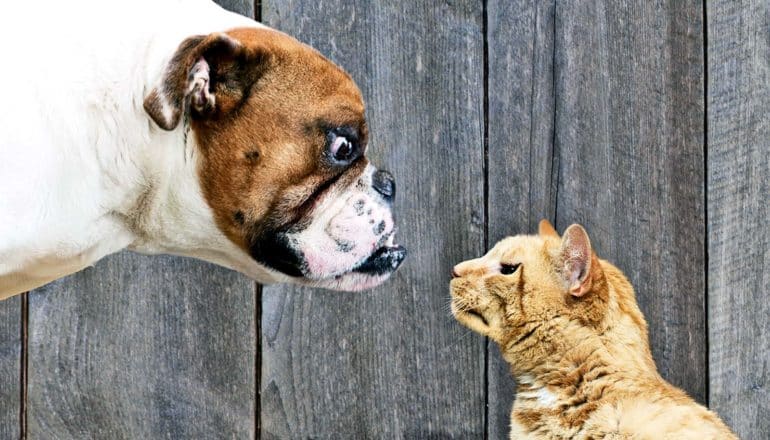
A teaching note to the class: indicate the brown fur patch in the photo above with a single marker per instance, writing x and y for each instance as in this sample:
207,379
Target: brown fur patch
282,117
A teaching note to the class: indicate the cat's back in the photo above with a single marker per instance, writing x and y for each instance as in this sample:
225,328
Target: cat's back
638,411
656,416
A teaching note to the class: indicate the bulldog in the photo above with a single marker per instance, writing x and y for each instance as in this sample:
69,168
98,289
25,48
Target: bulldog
178,127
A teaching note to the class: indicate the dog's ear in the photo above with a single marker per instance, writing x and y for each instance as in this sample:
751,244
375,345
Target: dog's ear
576,259
208,75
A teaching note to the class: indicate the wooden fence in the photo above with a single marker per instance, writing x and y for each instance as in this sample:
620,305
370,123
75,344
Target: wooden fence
646,121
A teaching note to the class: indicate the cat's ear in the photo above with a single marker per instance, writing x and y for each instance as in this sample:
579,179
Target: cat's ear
576,259
546,229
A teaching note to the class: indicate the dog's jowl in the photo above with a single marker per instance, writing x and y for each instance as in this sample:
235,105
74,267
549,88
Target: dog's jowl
184,129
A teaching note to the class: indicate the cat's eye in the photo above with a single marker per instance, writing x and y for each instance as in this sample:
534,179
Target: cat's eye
507,269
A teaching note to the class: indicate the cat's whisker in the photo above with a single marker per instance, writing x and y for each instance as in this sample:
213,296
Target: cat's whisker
460,339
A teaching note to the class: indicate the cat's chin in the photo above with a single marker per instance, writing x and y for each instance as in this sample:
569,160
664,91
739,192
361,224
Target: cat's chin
471,319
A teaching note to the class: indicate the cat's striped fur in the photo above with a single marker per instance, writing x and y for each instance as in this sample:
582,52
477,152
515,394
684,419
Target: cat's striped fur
569,325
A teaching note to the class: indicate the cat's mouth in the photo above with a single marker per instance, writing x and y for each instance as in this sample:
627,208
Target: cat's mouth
464,313
477,315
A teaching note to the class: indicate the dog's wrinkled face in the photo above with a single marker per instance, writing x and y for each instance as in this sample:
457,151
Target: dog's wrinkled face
282,139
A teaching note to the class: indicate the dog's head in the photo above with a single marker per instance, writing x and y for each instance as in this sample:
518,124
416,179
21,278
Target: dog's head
282,137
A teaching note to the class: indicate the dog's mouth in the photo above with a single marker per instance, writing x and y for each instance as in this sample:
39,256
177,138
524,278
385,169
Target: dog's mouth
344,241
384,260
280,253
370,273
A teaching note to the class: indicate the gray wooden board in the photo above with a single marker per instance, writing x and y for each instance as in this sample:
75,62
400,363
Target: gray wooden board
738,232
629,135
520,165
243,7
391,363
627,160
10,367
144,347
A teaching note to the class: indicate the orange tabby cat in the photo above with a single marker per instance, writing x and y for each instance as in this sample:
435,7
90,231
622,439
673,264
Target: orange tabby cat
568,324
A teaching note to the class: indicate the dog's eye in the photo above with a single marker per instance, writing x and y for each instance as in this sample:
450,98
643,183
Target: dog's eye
507,269
343,147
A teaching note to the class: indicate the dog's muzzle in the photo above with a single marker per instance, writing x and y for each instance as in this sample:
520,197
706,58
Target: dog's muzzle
346,242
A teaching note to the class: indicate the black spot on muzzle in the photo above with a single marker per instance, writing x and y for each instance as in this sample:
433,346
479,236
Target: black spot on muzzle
274,251
385,260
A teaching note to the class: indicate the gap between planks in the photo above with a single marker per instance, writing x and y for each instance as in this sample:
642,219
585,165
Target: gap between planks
485,166
705,204
258,317
23,370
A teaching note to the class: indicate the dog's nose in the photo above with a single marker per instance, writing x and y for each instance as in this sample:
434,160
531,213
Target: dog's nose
383,182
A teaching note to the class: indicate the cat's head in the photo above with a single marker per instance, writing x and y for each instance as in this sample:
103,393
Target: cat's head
528,284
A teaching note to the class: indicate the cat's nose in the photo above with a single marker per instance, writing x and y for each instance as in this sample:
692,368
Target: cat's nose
454,273
457,271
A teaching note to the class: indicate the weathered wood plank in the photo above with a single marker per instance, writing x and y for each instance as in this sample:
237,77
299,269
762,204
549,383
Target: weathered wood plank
738,195
144,347
391,363
626,162
243,7
520,165
629,136
141,347
10,367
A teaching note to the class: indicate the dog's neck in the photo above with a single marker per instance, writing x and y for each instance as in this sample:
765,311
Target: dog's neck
164,208
162,204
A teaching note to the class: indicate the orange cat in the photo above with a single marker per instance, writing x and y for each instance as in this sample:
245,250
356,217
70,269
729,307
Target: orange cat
569,326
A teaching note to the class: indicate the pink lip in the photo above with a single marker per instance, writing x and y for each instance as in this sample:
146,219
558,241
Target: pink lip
353,282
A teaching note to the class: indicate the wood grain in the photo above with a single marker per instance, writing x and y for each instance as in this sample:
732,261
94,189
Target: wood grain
391,363
10,367
143,347
520,165
738,195
629,136
243,7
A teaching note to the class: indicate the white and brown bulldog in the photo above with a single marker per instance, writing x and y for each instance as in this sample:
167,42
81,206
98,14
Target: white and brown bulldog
178,127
